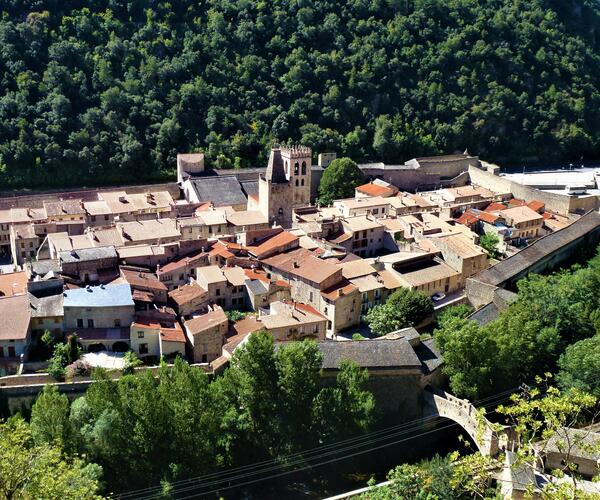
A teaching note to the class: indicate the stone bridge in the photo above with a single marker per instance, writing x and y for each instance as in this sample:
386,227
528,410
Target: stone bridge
489,441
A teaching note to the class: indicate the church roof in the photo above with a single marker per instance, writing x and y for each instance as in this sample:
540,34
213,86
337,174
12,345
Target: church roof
275,171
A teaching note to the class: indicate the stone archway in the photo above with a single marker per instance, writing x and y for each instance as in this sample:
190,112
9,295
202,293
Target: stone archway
97,347
120,346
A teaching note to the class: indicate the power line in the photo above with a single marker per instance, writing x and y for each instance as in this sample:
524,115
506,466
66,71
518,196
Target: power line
302,457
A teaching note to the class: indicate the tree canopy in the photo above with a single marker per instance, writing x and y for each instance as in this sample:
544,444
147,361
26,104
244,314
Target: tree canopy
549,314
109,91
339,180
144,430
402,309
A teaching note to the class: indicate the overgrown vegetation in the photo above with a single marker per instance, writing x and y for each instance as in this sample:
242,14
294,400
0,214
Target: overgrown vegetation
527,339
109,91
143,430
402,309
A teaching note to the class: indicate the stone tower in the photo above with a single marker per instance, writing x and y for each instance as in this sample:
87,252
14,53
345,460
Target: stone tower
286,183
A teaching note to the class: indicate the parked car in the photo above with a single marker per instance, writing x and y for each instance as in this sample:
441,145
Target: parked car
436,297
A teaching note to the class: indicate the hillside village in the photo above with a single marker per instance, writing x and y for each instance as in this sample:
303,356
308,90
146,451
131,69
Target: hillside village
167,272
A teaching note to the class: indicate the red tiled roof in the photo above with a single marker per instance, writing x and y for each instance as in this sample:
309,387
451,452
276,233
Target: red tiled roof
142,279
515,202
276,242
187,293
245,326
495,206
141,296
487,217
467,219
309,309
182,262
373,189
304,263
335,292
536,205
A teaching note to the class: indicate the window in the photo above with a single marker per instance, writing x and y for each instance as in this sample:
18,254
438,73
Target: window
316,329
22,244
296,168
90,323
106,217
143,348
1,351
79,323
32,253
57,320
302,182
11,351
31,244
303,169
297,183
117,323
375,211
280,211
204,358
140,334
93,218
218,292
310,296
181,277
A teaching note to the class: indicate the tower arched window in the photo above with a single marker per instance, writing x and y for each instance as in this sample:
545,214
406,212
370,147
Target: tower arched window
280,211
296,168
303,168
302,182
287,168
296,182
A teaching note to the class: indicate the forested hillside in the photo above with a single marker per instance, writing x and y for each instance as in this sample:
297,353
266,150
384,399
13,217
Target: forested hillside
110,90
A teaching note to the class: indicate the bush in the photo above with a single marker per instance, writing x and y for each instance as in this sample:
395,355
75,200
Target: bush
79,368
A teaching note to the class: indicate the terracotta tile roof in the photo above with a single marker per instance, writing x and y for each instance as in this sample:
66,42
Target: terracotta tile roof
487,217
277,242
201,323
187,293
245,326
16,314
520,214
64,207
467,219
182,262
374,189
13,284
305,264
142,296
259,274
142,280
495,206
536,205
339,290
515,202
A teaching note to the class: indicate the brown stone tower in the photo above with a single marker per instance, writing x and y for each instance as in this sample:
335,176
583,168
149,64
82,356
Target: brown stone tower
286,183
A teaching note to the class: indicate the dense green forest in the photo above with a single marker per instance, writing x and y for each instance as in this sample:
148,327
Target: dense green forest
111,90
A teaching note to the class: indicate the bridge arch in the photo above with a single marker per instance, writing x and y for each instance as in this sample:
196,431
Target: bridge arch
484,434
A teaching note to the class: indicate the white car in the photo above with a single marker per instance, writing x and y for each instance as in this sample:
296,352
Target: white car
436,297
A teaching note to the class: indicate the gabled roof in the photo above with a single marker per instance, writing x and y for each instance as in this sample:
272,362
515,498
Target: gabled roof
305,264
275,169
221,191
99,296
16,315
370,354
187,293
204,322
88,254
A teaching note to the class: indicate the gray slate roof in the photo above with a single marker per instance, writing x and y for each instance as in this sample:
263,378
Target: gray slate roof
486,314
430,356
250,187
88,254
369,354
44,307
275,171
43,267
509,268
221,191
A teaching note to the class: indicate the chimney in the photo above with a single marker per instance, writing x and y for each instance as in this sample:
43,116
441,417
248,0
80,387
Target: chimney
296,265
341,291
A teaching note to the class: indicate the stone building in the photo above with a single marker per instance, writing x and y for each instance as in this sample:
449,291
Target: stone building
285,184
206,334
